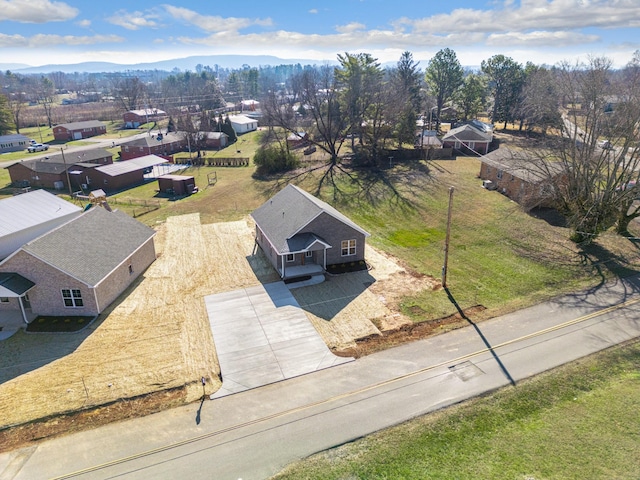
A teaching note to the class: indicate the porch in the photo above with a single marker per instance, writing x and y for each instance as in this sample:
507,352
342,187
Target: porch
309,269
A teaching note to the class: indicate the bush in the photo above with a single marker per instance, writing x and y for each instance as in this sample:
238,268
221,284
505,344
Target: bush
274,159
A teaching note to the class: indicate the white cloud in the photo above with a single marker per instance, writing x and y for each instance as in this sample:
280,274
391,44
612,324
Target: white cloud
36,11
38,41
532,15
84,23
313,10
540,39
134,20
350,27
213,24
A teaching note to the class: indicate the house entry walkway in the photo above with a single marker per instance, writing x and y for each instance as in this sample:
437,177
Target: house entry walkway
262,336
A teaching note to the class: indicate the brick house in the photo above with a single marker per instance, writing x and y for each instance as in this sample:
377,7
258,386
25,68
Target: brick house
135,118
469,139
161,145
79,268
300,234
78,130
51,171
523,180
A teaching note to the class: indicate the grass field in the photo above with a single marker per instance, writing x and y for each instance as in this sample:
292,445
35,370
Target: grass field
579,421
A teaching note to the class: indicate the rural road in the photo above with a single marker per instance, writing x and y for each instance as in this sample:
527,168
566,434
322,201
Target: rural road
252,435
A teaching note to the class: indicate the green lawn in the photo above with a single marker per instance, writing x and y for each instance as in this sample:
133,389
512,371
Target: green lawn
579,421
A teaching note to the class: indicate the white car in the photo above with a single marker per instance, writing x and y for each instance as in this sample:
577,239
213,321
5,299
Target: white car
37,147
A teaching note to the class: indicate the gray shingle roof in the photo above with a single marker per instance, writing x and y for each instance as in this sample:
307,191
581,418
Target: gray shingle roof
468,133
93,244
290,210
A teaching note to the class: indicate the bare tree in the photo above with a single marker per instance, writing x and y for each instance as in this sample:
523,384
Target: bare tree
323,121
129,92
595,160
45,93
16,94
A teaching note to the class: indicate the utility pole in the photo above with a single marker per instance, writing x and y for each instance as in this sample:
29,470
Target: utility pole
66,171
446,241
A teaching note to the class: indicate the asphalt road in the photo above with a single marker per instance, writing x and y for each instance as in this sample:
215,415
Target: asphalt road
252,435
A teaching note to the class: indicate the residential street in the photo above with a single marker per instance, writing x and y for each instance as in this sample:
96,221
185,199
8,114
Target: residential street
253,434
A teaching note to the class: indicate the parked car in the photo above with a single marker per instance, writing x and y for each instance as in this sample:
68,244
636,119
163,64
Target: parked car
605,145
37,147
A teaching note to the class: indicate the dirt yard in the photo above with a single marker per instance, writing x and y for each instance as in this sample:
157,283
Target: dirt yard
157,338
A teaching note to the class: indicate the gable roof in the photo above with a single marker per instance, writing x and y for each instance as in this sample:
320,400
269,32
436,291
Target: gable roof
517,163
31,209
467,133
289,211
55,163
81,125
152,141
127,166
241,119
13,137
92,245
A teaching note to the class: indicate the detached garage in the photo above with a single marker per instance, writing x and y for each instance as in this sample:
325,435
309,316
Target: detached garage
177,184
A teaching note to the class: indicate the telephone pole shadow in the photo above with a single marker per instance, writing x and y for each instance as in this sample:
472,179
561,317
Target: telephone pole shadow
481,335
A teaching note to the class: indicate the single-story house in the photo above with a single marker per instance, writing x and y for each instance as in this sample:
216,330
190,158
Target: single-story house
119,175
300,234
298,139
243,124
215,139
27,216
13,143
176,184
135,118
525,181
78,130
161,145
51,171
78,268
468,139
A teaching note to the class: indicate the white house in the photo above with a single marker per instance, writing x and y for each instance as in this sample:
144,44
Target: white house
13,143
27,216
243,124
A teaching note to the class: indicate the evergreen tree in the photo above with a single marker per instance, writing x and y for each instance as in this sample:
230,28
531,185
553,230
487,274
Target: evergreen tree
6,123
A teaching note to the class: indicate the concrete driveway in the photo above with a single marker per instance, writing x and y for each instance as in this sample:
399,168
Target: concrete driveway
262,336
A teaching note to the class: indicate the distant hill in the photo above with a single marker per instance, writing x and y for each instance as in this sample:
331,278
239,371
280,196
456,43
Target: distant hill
183,64
12,66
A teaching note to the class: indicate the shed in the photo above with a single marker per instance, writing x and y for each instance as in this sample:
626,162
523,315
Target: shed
243,124
13,143
177,184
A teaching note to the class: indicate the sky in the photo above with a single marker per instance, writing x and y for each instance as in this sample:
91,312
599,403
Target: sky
40,32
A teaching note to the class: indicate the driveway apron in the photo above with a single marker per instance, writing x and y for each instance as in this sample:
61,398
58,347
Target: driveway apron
263,336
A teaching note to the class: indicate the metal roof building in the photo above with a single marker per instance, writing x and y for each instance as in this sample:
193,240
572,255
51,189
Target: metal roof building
27,216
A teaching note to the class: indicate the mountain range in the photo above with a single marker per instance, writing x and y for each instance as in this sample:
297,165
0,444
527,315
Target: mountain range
182,64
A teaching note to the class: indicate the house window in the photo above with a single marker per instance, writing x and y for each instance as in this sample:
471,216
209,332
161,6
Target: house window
130,269
4,299
308,254
499,175
291,257
348,247
72,298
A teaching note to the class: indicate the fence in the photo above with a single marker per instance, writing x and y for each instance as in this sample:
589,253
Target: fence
227,162
144,206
